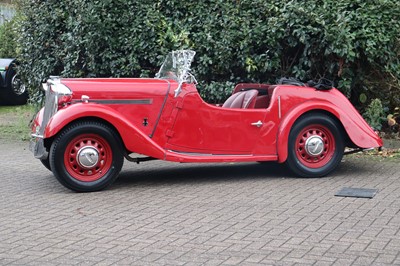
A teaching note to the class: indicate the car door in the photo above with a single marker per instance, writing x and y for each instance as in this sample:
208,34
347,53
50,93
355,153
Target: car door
203,128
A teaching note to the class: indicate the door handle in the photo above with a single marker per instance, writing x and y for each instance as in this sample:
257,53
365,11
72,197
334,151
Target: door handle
257,124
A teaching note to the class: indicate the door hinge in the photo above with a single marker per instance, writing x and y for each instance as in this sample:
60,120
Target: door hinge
169,133
179,104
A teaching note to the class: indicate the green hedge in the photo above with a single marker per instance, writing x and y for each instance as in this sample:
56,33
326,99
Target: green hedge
353,42
8,37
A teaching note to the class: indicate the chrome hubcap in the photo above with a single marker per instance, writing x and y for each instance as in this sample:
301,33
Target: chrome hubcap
17,86
88,157
314,145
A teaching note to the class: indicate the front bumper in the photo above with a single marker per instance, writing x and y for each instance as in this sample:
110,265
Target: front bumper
36,145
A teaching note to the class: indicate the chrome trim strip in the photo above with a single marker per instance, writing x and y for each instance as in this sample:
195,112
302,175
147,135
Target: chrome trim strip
135,101
207,154
37,136
279,107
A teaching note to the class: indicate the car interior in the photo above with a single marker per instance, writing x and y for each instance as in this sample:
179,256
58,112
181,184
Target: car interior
249,95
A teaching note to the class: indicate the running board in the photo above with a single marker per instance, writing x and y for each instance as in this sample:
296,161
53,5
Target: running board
139,159
190,157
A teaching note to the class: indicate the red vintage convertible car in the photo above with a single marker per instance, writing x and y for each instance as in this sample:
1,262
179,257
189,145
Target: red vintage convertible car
89,125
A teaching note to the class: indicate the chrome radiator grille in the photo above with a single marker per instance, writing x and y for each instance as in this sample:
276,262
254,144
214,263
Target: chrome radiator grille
50,108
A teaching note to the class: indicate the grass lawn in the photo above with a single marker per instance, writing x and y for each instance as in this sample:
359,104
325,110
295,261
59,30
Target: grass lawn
14,122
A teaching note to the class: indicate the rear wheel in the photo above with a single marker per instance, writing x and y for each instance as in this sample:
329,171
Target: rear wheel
315,146
86,156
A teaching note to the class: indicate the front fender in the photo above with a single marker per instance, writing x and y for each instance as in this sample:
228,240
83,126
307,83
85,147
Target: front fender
134,140
359,132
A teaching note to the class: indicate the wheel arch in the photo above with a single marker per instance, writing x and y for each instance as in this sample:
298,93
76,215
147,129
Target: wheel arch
356,132
48,141
133,140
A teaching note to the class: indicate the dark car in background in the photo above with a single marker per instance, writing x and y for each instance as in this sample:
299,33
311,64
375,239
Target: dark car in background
12,89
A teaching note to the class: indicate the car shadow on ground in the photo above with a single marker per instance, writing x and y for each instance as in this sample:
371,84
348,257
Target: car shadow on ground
176,173
359,166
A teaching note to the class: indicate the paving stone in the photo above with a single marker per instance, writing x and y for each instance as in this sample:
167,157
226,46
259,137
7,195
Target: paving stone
162,213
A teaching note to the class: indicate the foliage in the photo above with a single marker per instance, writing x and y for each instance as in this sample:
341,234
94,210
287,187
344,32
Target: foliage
216,92
8,37
375,114
356,43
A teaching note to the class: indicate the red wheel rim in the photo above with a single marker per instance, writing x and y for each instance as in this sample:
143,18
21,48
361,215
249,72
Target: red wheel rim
88,157
315,146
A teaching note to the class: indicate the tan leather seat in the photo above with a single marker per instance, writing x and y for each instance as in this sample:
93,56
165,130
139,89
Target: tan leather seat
242,99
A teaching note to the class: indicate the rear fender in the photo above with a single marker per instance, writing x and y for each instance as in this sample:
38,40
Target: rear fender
359,132
133,139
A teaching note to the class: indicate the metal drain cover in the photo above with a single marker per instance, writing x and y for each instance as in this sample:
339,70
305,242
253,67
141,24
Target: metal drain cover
368,193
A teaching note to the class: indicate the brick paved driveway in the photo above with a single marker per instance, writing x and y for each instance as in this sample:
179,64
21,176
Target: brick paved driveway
161,213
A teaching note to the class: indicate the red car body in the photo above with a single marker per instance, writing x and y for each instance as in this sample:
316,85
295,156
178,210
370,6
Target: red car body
149,117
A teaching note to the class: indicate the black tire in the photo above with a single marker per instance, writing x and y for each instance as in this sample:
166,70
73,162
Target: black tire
15,92
86,156
315,146
46,163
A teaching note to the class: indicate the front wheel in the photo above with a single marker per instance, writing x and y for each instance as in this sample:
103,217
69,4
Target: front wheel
46,163
315,146
86,156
